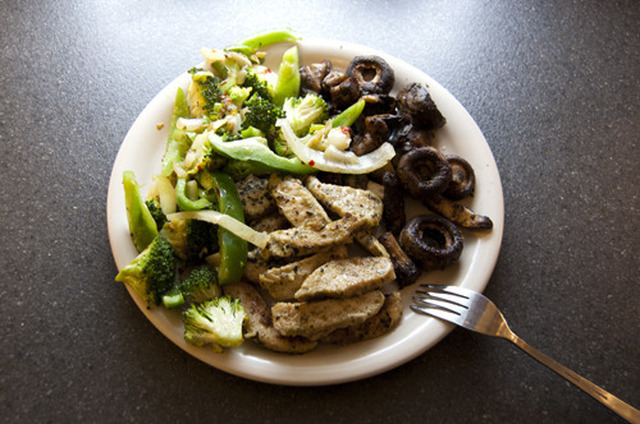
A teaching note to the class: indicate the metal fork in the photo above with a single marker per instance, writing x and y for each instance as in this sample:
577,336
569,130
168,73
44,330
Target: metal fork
472,310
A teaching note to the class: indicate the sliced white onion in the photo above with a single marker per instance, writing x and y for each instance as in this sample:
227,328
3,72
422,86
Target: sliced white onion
317,159
166,194
192,124
332,153
241,230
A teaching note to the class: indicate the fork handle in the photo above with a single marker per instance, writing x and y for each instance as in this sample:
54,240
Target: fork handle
618,406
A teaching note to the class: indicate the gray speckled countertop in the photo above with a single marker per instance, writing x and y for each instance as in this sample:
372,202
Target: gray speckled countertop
554,87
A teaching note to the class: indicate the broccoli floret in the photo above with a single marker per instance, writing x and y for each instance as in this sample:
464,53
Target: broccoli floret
258,85
158,216
216,323
262,114
201,284
304,112
191,238
153,272
203,93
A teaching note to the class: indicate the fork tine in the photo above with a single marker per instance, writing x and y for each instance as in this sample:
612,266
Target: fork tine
454,290
440,304
437,313
445,297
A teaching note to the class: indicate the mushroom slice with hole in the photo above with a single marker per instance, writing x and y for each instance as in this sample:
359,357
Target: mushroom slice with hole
463,179
372,73
432,241
424,172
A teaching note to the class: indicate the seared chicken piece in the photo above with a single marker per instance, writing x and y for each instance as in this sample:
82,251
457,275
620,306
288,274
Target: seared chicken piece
345,200
297,203
283,282
315,320
347,277
270,223
259,323
254,194
305,240
381,323
256,265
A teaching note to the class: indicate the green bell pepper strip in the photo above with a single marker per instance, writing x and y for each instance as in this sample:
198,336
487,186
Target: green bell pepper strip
233,249
249,45
184,202
252,149
288,83
142,226
178,142
348,116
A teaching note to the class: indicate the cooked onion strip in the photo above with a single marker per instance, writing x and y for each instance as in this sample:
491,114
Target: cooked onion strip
241,230
317,159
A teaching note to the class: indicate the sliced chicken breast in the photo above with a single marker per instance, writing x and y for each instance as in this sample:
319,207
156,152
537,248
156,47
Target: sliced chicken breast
342,278
315,320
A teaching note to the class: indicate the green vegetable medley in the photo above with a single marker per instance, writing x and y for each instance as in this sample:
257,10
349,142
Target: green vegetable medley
237,117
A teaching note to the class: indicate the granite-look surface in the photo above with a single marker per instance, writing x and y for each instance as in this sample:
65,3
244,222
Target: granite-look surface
553,85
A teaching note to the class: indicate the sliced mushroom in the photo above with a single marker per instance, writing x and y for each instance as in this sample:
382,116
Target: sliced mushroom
415,101
457,213
463,179
424,172
372,73
342,90
406,271
311,76
393,214
376,133
432,241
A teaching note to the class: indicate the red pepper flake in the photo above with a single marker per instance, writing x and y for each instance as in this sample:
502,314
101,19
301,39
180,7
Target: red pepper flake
268,70
311,163
345,130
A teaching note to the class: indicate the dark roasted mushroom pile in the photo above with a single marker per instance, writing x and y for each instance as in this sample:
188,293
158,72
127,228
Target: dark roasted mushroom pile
409,120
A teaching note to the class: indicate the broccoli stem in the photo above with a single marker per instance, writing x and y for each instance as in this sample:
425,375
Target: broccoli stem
288,84
142,226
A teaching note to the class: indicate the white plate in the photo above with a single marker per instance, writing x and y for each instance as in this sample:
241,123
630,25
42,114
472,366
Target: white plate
144,146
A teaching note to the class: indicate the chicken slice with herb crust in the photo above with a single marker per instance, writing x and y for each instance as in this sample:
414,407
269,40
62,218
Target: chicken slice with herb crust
345,200
259,323
254,194
283,282
342,278
381,323
306,240
297,203
315,320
